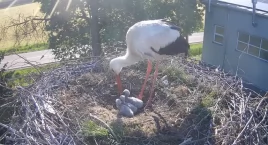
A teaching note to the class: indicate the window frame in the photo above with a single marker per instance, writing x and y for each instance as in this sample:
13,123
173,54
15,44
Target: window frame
221,35
248,44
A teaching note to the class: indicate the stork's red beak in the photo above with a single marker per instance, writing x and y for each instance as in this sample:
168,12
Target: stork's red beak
119,84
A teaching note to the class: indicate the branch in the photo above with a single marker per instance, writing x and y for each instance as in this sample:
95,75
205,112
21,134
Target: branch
240,134
84,16
26,21
33,65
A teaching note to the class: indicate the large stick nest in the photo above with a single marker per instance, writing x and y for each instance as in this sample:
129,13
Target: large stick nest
200,105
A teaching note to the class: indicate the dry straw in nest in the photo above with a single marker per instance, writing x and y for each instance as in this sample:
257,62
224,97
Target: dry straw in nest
236,116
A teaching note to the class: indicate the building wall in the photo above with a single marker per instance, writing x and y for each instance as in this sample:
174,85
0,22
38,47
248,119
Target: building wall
249,67
253,69
213,53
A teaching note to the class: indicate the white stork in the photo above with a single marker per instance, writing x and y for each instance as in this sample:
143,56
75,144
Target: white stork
151,40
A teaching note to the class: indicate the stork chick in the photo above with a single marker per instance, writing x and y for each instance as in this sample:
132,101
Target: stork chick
130,105
124,109
132,100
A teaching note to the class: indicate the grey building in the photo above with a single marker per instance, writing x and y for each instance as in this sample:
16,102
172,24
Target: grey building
236,38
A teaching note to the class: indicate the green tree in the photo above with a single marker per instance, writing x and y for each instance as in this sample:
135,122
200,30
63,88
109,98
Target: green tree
97,22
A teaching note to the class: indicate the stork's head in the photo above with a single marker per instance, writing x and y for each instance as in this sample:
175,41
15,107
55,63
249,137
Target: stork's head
115,65
123,98
118,103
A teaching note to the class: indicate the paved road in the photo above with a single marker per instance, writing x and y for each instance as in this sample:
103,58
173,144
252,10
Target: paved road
15,62
196,37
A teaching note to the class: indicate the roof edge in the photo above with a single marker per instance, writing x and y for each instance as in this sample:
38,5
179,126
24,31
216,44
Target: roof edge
234,7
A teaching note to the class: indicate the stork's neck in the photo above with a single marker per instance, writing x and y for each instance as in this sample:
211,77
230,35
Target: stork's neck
123,61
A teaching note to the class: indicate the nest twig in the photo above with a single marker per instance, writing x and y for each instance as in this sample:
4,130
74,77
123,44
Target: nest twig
237,116
37,120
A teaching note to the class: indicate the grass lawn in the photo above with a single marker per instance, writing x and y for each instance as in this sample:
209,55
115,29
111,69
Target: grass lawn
13,14
196,50
26,48
26,76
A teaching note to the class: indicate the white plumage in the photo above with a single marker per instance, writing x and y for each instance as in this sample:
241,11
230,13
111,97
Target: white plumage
140,38
151,40
147,34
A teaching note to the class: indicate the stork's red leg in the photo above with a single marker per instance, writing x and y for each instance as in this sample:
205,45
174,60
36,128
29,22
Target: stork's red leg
149,69
119,84
153,85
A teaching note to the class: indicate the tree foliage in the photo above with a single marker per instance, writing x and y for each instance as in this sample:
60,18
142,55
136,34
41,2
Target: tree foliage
96,22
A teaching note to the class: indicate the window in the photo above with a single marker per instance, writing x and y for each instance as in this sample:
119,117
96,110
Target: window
253,45
218,34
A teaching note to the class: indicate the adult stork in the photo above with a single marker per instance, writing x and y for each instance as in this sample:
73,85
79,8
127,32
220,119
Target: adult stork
152,40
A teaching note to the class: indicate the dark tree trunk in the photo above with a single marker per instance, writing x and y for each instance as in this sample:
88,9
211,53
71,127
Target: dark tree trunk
94,28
